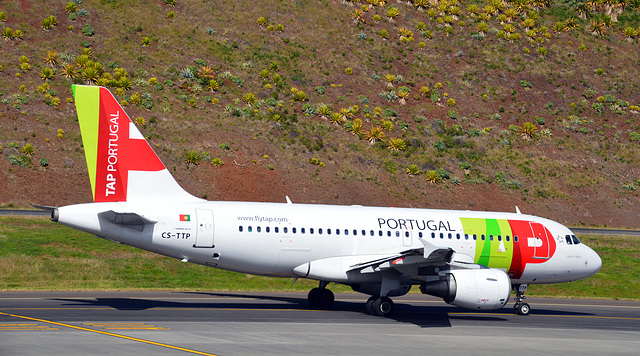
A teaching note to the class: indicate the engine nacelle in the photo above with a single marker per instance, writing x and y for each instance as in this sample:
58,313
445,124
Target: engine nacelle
484,289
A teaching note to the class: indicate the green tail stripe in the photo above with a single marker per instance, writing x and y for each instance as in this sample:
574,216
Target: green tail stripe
87,100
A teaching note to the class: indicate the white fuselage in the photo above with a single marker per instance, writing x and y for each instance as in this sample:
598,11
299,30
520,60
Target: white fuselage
272,239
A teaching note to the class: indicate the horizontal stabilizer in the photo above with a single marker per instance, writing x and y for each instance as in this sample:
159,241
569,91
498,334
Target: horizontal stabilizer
51,209
128,220
44,207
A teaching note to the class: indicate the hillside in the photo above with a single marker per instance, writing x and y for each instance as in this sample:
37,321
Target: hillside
450,104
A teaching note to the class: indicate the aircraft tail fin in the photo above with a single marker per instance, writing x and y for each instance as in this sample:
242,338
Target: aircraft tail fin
122,166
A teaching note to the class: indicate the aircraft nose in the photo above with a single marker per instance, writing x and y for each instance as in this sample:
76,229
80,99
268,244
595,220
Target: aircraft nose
592,262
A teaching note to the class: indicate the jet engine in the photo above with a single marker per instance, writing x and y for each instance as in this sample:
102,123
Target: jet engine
480,289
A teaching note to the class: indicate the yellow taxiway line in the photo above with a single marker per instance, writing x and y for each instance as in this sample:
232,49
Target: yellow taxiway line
110,334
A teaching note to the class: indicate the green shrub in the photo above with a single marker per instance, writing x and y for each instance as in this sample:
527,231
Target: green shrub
88,30
192,157
413,170
28,149
21,160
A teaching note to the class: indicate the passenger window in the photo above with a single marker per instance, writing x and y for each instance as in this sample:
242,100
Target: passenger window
364,233
276,229
337,231
441,235
575,240
482,237
433,235
311,230
346,232
380,233
371,232
302,230
499,237
258,228
406,234
249,228
328,231
320,231
285,229
449,236
490,237
515,238
420,234
475,237
388,233
268,229
507,238
240,228
466,236
397,233
293,229
458,236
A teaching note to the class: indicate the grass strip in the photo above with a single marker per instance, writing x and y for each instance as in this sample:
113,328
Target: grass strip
37,254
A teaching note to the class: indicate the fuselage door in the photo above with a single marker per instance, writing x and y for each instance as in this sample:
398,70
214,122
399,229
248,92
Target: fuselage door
204,235
539,241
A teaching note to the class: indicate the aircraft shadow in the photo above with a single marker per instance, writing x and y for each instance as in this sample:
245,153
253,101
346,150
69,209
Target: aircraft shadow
419,315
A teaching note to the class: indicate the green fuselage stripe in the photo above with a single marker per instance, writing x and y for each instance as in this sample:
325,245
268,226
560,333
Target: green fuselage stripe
496,252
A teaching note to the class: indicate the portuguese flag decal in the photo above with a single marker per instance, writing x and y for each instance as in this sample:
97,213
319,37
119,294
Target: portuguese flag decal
185,217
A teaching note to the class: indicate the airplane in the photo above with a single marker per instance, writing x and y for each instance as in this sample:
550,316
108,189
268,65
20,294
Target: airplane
470,259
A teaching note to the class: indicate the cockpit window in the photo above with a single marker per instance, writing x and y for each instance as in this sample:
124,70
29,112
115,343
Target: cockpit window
568,238
575,239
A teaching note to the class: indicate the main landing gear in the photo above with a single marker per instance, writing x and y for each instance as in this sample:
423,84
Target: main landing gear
321,297
521,308
380,306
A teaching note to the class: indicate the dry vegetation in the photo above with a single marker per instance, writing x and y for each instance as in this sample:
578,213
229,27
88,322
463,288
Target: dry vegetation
448,104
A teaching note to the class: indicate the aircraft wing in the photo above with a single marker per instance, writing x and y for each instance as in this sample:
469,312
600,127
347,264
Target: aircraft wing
425,256
341,269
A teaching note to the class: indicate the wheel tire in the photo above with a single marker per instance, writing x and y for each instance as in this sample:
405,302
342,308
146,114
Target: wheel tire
312,297
524,309
383,306
369,306
325,298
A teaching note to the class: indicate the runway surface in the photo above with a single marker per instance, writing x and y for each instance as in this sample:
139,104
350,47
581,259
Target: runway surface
179,323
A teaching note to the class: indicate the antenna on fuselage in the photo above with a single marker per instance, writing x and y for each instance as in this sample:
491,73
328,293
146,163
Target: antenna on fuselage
518,210
288,200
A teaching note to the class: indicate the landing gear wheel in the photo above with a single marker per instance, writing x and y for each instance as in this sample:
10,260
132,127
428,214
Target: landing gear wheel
325,298
369,306
320,298
383,306
522,309
312,297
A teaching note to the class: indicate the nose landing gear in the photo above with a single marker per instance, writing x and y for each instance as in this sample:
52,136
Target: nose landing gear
521,308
